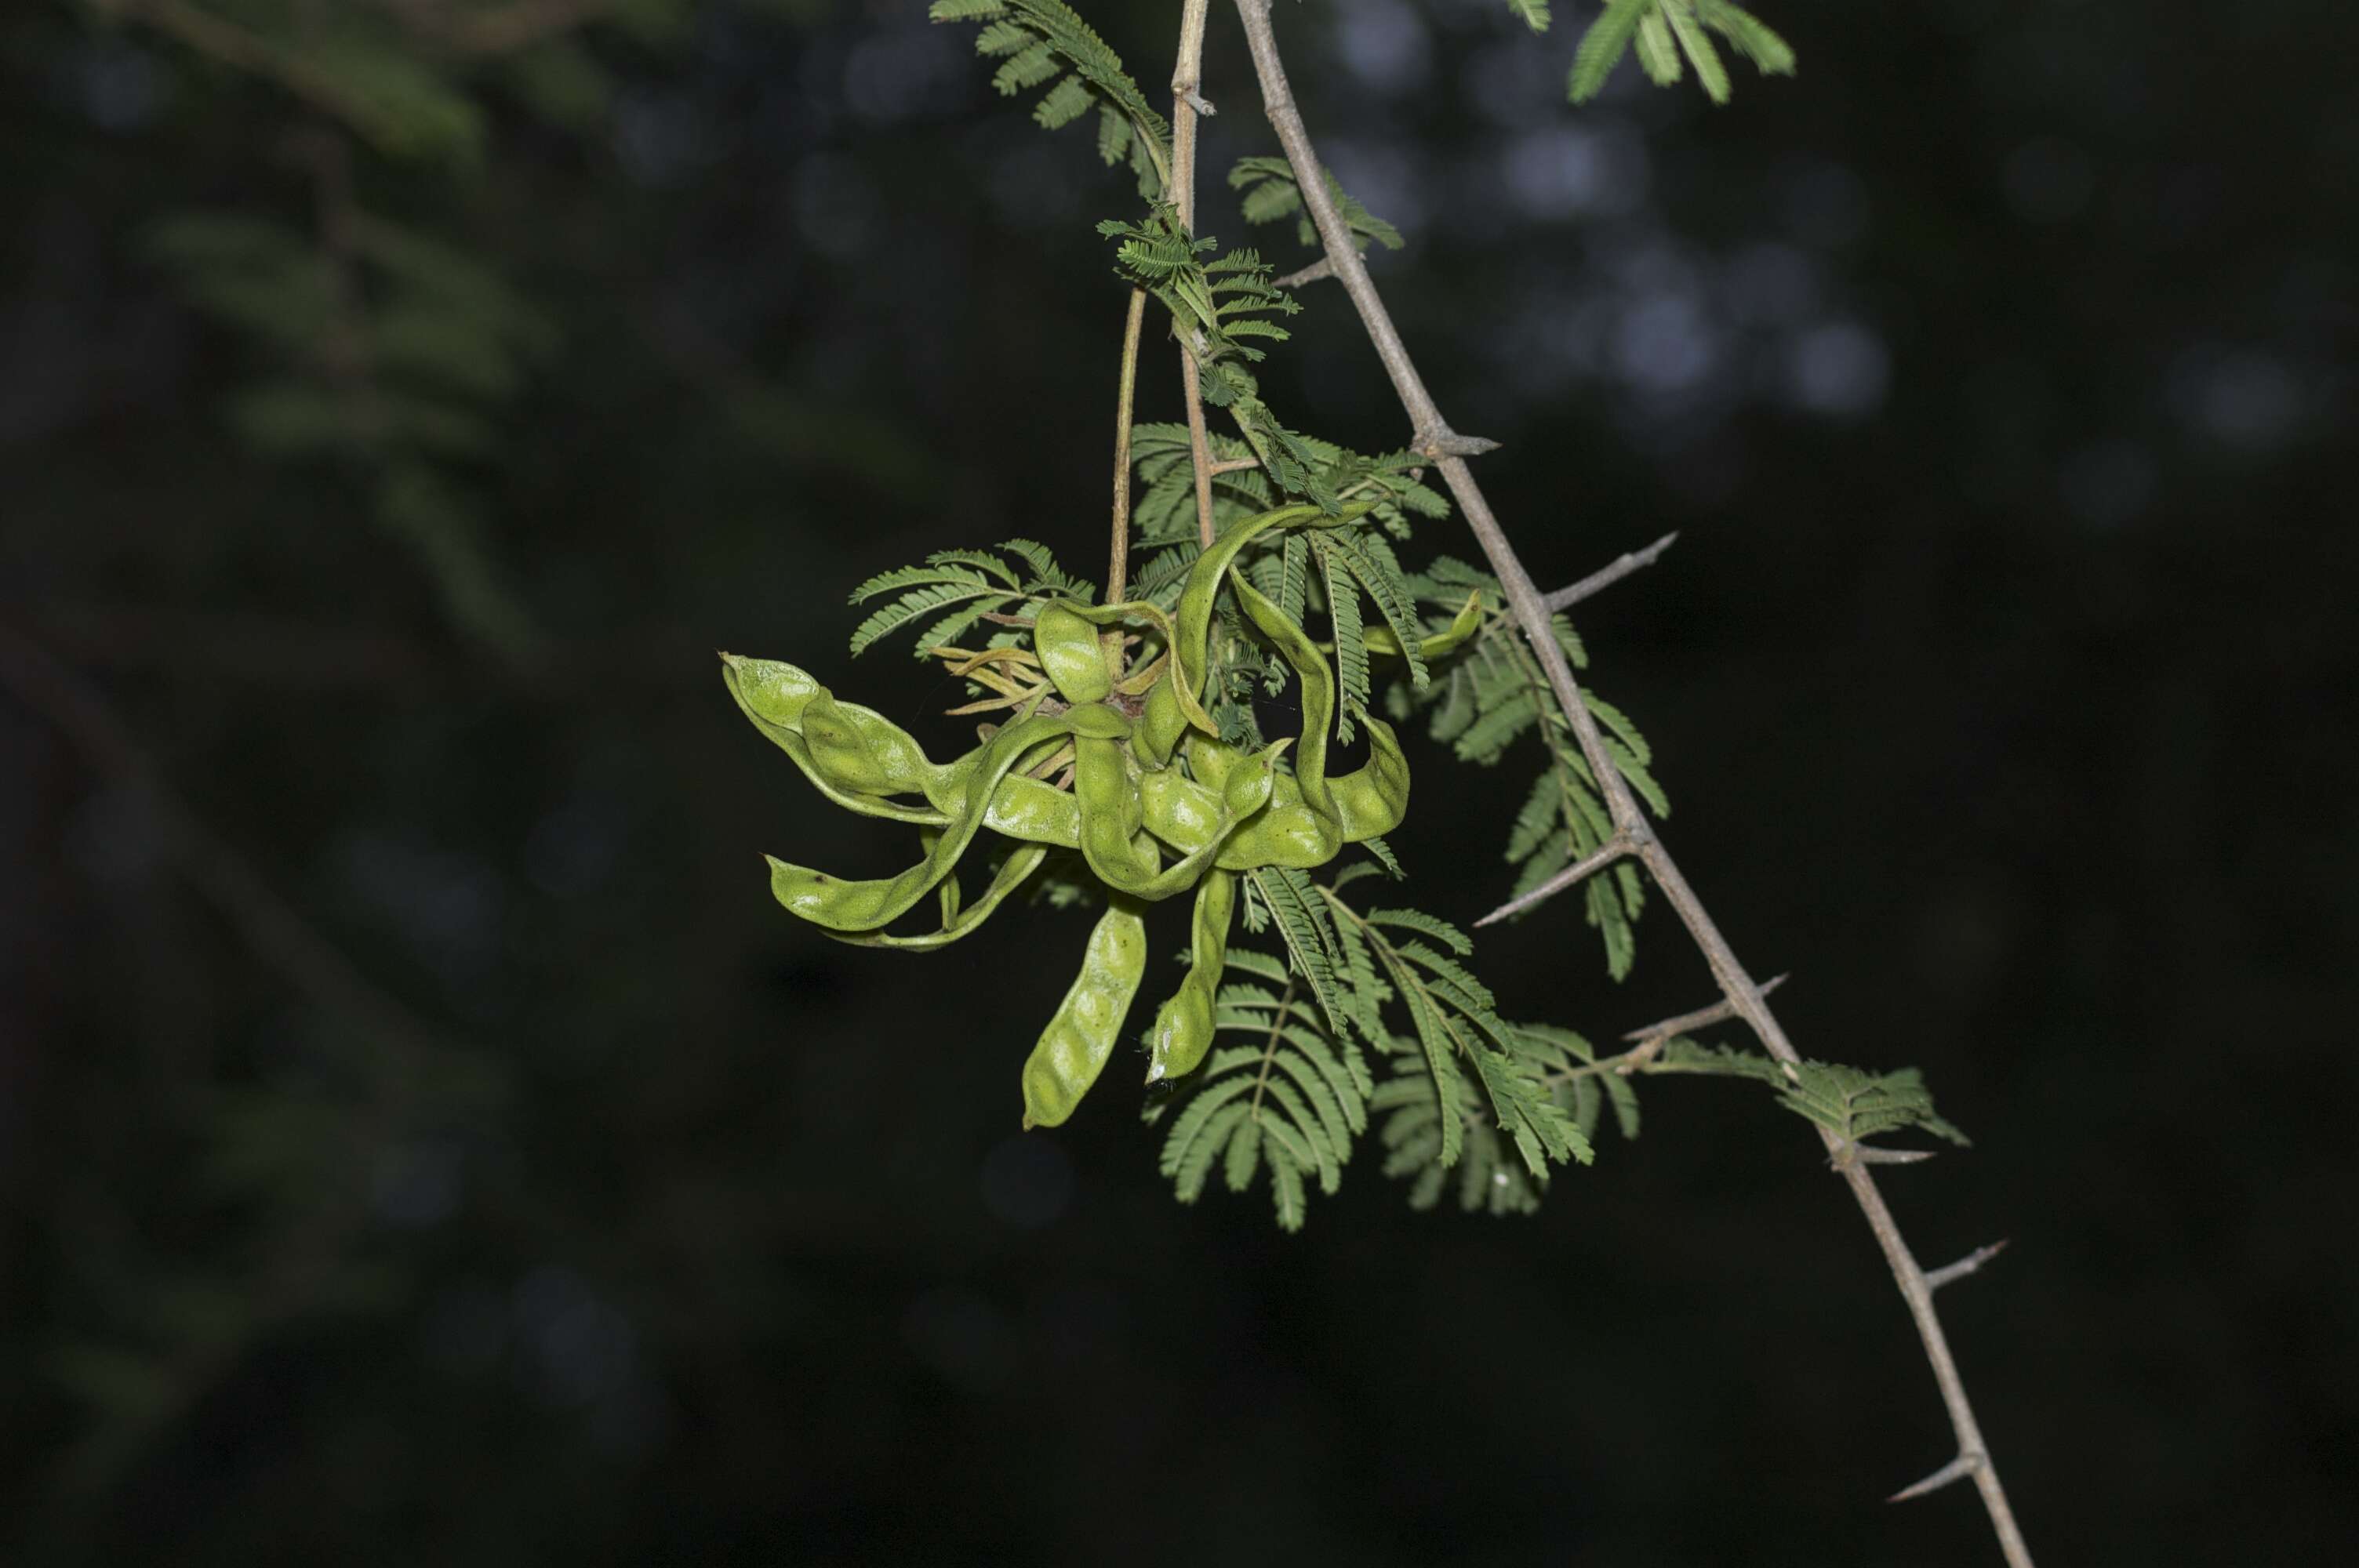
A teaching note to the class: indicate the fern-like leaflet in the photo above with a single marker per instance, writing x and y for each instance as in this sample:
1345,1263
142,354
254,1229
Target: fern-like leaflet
1043,41
1270,193
1289,1097
1489,696
1467,1090
1854,1104
1216,304
1664,31
962,587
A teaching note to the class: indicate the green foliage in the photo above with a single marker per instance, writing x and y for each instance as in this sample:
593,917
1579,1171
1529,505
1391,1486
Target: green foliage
1492,694
1849,1103
1043,41
1289,1098
1664,31
1681,1055
1466,1091
1220,309
1854,1104
1164,513
964,586
1466,1098
1269,193
1313,950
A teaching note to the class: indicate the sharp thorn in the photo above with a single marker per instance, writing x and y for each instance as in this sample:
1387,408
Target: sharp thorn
1971,1264
1450,444
1957,1469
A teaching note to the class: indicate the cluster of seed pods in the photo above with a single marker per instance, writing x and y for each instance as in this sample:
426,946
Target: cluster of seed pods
1157,804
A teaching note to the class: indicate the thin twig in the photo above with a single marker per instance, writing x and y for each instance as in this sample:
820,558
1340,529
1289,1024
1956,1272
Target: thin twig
1118,546
1957,1469
1613,849
1316,272
1971,1264
1605,576
1718,1013
1432,433
1186,103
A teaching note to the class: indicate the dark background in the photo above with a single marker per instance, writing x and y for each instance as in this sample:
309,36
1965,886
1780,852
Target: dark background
423,1140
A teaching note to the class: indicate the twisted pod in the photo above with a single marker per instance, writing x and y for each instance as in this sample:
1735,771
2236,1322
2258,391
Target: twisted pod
1150,778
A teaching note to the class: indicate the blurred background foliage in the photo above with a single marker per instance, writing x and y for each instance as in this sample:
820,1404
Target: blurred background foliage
423,1141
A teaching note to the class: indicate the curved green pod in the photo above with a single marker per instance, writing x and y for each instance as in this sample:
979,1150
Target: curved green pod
1082,1035
1035,812
1318,681
1373,798
1184,1023
860,750
1166,719
1378,637
1105,789
1137,800
1110,787
770,691
958,922
842,905
775,695
1181,686
1068,650
1370,800
772,696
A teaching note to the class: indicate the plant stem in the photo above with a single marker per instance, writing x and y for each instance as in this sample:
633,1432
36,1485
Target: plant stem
1606,575
1118,546
1187,103
1433,436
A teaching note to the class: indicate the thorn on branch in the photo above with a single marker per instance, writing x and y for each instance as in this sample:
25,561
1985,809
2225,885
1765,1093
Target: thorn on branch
1969,1264
1446,442
1322,269
1230,465
1196,100
1957,1469
1718,1013
1613,850
1605,576
1424,416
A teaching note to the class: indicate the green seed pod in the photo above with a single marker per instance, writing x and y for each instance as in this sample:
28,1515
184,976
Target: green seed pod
1035,812
842,906
1183,1025
1318,682
860,750
773,696
1174,680
1373,799
1379,638
1068,650
958,920
1167,717
1087,1024
1110,787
